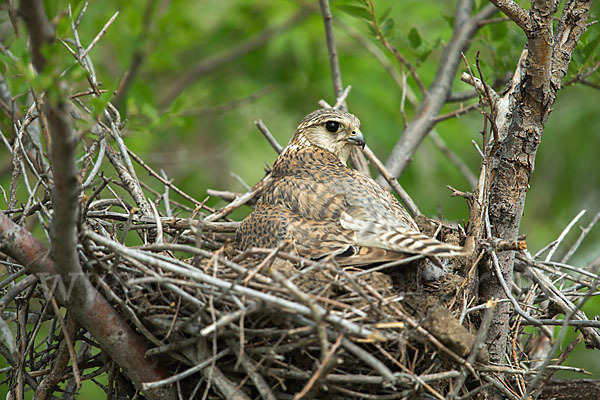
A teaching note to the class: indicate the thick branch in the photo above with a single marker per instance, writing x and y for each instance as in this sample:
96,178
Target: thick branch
439,90
90,309
520,119
115,336
571,389
514,12
40,29
571,26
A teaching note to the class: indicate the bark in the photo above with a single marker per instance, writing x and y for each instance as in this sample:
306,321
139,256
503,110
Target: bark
572,389
520,117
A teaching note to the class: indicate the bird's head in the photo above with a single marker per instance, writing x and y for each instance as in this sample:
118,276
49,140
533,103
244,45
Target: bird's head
330,129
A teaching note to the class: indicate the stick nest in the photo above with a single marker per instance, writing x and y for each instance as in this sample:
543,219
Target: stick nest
263,322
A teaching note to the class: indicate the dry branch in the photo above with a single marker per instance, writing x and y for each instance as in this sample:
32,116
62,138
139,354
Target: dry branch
464,29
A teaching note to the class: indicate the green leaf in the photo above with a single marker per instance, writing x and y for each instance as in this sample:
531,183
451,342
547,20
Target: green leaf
99,103
387,26
449,20
385,14
360,12
424,55
589,48
414,38
372,30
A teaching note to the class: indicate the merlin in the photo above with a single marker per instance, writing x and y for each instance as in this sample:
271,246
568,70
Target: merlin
319,205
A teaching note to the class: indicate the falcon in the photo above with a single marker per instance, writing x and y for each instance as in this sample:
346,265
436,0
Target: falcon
314,201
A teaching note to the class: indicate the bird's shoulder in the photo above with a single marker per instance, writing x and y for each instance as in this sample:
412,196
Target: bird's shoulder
316,184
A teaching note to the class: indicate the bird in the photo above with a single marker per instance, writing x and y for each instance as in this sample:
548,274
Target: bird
319,206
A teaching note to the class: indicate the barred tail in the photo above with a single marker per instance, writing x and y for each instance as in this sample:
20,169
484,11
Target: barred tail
397,238
415,243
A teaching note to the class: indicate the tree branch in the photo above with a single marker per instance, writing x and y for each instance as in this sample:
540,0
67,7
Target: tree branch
90,309
439,90
514,12
113,333
571,26
40,29
520,117
334,64
356,157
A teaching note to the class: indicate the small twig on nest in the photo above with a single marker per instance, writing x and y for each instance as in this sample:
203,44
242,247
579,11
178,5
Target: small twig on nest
328,363
243,199
477,345
188,372
307,301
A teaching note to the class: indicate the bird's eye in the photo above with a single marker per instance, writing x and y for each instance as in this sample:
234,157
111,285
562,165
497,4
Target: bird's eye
332,126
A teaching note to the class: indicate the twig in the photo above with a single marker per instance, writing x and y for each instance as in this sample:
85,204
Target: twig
340,101
68,333
315,310
334,65
582,236
399,57
456,113
320,373
252,370
99,35
370,360
270,138
477,346
243,199
162,180
406,199
507,291
591,334
562,235
190,371
130,183
419,127
531,387
97,164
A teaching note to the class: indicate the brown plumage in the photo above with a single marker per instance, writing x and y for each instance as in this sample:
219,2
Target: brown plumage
325,208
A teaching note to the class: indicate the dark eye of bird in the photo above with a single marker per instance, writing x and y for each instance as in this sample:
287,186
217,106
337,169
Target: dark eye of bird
332,126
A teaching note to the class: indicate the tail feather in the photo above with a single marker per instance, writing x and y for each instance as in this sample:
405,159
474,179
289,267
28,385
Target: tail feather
414,242
399,239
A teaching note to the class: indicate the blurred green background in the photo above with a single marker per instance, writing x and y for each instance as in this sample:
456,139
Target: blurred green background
197,124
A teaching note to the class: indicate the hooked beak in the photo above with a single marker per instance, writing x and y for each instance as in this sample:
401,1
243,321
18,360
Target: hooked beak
357,138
